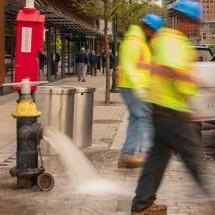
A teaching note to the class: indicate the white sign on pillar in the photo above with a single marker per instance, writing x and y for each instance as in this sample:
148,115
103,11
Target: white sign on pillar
26,42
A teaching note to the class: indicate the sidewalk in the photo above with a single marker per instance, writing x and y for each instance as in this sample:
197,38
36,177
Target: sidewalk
177,190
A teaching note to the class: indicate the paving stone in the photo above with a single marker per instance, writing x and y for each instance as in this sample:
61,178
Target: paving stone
177,191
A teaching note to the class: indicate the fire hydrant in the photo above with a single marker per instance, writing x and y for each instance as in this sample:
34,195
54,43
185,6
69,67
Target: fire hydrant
29,135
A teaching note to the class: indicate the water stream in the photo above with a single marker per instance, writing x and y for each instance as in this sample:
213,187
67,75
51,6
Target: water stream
79,169
77,166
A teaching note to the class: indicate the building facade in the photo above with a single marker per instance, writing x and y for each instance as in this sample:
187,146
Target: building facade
66,31
199,35
208,25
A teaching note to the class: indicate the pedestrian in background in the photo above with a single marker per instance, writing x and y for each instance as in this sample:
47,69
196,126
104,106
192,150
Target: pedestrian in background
134,60
55,59
82,61
99,61
93,63
104,62
42,62
88,52
112,61
171,87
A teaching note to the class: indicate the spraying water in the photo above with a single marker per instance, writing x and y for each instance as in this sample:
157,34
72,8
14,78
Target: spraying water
77,166
79,169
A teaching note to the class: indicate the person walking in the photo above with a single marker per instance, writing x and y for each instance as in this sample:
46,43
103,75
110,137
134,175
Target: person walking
132,79
99,61
88,52
171,86
93,63
55,59
82,61
104,62
112,61
42,62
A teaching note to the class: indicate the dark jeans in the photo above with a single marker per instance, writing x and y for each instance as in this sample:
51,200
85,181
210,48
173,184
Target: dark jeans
93,68
173,132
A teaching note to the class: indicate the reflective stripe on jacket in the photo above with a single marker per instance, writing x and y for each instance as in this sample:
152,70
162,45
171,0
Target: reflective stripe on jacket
134,53
171,72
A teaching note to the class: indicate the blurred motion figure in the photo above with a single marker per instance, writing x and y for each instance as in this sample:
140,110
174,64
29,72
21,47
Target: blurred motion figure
171,86
135,58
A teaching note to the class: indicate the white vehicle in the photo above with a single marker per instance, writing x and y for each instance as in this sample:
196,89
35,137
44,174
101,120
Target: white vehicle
205,53
204,103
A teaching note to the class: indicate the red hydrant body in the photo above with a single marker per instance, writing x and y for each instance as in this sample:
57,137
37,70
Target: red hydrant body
30,39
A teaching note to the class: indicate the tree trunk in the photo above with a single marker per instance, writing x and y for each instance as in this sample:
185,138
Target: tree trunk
107,92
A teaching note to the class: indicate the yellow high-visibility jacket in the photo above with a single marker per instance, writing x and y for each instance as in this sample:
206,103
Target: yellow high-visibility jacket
134,58
172,79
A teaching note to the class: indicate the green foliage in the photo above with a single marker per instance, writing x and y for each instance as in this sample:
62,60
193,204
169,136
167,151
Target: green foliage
91,8
130,12
127,11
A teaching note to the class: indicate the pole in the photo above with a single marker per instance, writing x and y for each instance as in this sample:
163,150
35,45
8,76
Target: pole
63,55
55,53
115,54
29,4
2,42
107,91
68,56
49,56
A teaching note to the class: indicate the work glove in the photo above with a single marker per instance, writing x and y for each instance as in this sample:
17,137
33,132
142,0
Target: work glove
139,93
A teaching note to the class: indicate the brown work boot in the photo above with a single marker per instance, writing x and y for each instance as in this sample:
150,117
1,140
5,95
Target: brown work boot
131,161
153,210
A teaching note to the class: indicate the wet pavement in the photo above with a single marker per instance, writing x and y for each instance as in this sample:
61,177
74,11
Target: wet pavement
177,191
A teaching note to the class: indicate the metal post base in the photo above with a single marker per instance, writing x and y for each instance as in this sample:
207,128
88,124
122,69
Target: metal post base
26,182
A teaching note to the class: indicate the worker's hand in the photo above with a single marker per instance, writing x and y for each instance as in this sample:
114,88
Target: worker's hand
140,93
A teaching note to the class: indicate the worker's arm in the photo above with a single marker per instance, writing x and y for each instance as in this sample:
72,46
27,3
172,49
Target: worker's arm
129,60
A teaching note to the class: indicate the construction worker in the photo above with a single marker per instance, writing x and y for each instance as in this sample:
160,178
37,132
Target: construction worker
171,86
135,56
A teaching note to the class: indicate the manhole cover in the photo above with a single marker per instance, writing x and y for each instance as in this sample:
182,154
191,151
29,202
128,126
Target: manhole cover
107,121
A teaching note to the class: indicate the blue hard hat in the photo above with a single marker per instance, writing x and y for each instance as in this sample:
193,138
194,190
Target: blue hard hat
153,21
189,8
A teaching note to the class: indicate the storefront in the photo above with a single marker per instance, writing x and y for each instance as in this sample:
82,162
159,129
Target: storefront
64,36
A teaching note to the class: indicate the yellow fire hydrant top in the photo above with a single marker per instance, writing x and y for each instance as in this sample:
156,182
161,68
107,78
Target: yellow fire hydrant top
26,108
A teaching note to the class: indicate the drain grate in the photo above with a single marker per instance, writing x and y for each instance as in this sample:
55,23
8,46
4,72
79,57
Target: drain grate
12,158
9,161
107,121
116,103
3,164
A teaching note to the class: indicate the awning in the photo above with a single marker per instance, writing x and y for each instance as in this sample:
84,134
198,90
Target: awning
58,19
